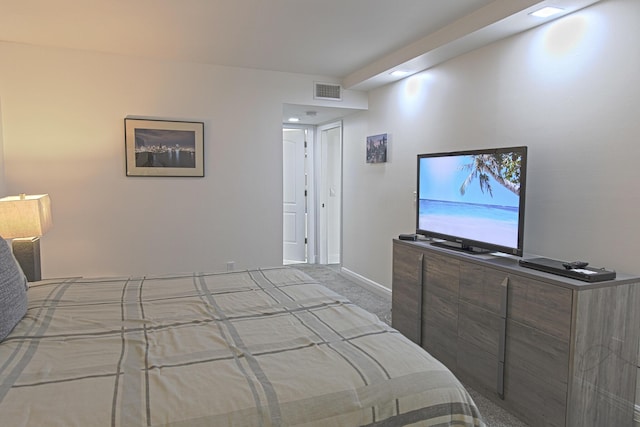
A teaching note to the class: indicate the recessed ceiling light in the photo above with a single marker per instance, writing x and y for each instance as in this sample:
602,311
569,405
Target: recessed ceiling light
399,73
294,119
546,12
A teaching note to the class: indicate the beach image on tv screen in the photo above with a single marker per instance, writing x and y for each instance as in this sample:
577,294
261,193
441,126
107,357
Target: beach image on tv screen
474,197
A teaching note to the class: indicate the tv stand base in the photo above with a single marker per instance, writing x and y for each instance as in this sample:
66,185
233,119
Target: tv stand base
461,248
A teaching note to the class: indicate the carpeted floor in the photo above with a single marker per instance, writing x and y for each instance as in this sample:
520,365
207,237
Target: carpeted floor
329,275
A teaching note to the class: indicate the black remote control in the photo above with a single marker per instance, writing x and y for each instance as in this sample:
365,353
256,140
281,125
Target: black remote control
412,237
575,264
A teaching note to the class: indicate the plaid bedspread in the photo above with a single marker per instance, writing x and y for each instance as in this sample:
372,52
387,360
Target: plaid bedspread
268,347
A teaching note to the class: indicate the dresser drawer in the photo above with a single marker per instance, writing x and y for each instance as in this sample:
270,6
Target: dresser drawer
536,375
477,367
481,286
441,343
540,305
479,327
406,298
441,272
539,353
406,263
537,400
405,312
440,308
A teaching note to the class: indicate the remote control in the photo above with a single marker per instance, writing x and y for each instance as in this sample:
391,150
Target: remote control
575,264
412,237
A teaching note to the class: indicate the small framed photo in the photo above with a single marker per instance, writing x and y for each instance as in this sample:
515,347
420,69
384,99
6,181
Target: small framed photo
377,148
164,148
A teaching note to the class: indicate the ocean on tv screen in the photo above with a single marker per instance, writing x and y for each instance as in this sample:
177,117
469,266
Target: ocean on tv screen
497,225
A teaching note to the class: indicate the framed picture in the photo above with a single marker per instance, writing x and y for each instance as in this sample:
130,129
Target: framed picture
164,148
377,148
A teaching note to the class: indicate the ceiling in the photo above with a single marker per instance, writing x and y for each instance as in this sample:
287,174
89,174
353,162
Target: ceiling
354,42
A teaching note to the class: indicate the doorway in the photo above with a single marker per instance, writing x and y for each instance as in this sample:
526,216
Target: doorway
294,194
312,193
330,193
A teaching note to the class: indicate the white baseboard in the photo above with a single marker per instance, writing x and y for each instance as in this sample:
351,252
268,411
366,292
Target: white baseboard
368,284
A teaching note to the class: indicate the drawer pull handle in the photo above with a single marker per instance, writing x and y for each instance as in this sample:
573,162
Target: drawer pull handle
420,286
504,287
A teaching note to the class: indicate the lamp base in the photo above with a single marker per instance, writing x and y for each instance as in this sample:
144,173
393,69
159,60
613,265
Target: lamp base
27,253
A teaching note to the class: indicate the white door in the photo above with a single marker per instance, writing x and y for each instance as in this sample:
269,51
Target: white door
293,193
330,193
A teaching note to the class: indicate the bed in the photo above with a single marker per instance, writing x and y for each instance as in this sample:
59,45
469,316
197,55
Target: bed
266,347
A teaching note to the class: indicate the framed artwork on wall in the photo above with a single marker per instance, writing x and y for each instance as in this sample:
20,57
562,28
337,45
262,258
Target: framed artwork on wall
377,148
164,148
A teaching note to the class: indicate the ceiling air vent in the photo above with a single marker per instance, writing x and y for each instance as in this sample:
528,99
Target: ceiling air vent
328,91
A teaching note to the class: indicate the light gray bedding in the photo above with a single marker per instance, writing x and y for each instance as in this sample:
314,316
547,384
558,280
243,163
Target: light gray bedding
267,347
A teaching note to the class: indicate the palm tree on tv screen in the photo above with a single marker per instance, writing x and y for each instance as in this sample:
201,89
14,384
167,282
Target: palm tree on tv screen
504,168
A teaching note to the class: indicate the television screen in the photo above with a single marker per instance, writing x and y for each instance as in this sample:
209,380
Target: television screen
473,198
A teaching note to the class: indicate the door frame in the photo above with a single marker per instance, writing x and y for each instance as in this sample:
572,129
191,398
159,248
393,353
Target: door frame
310,187
322,229
315,169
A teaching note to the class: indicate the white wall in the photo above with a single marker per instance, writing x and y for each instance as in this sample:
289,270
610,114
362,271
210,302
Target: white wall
570,90
62,118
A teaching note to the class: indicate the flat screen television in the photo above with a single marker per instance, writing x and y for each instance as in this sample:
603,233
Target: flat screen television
473,200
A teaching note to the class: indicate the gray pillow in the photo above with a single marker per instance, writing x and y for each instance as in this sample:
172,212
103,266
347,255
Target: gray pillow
13,290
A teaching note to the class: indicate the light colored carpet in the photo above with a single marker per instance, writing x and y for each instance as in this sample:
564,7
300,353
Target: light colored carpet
329,275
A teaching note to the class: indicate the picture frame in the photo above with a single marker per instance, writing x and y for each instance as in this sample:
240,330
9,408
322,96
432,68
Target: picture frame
164,148
377,148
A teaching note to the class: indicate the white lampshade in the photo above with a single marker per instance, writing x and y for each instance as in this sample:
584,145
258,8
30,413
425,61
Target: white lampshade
25,216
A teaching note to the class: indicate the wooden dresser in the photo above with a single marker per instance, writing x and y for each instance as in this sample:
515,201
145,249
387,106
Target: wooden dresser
554,351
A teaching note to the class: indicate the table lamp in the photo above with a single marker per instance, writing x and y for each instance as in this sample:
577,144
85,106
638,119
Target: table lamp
24,219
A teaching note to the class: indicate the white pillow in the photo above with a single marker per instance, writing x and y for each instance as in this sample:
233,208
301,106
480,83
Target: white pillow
13,290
